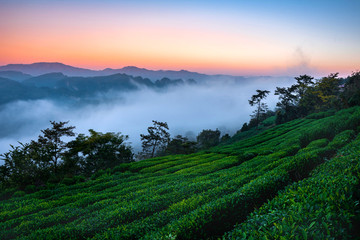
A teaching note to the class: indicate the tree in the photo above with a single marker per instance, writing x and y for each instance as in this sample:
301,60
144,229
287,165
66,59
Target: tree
287,105
89,154
295,100
256,100
287,97
244,127
326,92
35,162
303,82
180,145
156,140
351,91
50,146
18,169
208,138
225,138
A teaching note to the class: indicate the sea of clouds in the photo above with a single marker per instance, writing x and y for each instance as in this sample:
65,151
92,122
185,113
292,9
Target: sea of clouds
188,109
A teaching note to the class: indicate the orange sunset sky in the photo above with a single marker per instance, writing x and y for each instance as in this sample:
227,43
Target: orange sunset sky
229,37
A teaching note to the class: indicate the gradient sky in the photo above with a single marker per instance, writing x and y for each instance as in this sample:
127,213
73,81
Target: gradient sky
231,37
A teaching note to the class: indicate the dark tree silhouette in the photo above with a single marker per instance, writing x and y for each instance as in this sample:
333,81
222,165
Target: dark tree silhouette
97,151
180,145
351,90
51,144
256,100
208,138
303,82
37,161
156,140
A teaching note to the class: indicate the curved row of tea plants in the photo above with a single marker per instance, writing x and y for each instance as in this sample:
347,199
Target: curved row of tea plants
320,207
195,196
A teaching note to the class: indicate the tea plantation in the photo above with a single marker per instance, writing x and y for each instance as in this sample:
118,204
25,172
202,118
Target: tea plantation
298,180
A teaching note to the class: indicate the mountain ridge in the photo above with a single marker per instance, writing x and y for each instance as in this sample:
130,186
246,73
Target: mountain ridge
40,68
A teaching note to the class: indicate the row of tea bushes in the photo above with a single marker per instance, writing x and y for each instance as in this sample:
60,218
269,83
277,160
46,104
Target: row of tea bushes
319,207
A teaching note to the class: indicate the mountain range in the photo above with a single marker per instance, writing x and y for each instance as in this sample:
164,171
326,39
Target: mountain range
58,86
21,72
40,68
16,83
57,80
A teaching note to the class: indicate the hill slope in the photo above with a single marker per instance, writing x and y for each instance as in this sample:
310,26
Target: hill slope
266,185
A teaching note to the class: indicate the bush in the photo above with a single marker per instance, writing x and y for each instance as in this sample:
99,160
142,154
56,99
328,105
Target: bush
121,168
319,207
54,179
100,173
7,193
79,179
30,189
269,121
342,139
320,115
19,194
68,181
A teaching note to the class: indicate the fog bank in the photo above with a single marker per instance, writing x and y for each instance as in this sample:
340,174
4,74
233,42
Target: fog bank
187,109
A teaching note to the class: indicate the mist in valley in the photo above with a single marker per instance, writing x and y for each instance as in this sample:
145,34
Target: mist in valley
188,109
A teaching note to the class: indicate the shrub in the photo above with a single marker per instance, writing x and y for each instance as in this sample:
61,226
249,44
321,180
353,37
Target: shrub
269,121
121,168
319,207
68,181
320,115
30,189
79,179
7,193
342,139
19,194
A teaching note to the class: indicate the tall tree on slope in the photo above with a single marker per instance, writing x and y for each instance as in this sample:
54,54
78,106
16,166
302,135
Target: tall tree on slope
156,140
256,100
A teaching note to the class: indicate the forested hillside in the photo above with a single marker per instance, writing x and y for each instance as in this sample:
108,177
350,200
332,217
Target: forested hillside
299,180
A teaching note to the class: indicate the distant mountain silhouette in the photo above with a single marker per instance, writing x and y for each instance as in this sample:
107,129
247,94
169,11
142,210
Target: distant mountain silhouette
41,68
157,75
14,75
49,80
58,86
11,90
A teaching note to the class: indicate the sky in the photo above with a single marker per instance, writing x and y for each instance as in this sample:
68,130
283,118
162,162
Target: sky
257,37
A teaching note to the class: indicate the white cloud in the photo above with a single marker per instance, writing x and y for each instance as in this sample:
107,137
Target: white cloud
186,109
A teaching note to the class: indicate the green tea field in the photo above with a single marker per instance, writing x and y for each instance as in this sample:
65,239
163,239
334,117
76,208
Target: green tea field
298,180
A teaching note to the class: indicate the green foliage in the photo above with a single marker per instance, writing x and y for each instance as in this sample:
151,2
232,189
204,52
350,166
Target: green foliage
261,108
19,194
68,181
330,126
320,115
269,121
264,185
208,138
327,92
320,207
30,189
155,141
180,145
342,139
351,93
306,97
37,161
19,169
50,147
51,160
88,154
